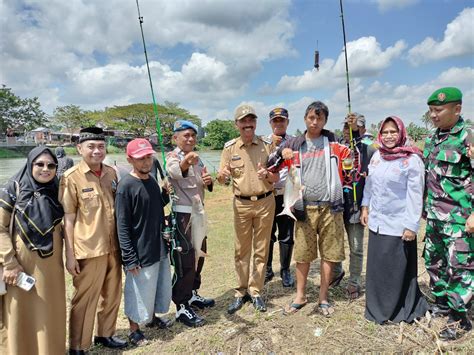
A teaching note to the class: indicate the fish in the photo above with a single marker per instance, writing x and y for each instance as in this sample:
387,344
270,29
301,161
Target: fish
198,226
293,192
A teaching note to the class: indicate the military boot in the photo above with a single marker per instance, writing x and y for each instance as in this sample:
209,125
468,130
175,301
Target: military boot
269,271
286,250
457,325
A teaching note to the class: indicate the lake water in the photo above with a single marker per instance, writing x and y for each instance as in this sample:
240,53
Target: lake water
8,167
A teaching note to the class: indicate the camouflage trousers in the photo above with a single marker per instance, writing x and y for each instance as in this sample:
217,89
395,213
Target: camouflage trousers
450,263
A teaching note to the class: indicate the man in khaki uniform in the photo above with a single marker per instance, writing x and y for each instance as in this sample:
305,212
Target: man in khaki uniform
244,160
92,251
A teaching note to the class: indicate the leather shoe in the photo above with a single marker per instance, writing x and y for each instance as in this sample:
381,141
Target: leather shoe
258,304
110,342
77,352
458,324
158,322
237,304
269,274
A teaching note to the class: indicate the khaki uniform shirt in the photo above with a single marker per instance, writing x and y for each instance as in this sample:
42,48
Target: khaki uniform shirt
243,161
92,200
188,184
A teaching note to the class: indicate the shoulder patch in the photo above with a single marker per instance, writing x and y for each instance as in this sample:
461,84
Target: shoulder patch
265,139
71,170
229,143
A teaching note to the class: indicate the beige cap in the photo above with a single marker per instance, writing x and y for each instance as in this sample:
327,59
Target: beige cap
244,110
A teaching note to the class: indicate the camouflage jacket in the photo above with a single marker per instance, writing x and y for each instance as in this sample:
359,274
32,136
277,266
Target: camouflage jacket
449,187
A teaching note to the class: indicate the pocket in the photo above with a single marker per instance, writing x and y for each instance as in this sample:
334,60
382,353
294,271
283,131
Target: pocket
237,167
397,182
448,165
89,200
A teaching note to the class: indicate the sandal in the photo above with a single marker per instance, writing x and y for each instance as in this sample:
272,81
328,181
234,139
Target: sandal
353,292
326,309
337,280
292,308
137,338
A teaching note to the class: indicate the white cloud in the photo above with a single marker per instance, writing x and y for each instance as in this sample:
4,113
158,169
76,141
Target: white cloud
92,51
366,58
386,5
458,40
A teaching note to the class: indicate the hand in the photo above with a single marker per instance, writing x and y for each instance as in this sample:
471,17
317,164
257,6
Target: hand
364,216
276,139
470,224
72,265
351,120
135,271
408,235
10,276
261,172
167,186
470,151
287,154
191,158
206,177
223,176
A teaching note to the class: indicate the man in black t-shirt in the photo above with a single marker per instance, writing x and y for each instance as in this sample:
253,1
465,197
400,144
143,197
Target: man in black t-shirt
139,212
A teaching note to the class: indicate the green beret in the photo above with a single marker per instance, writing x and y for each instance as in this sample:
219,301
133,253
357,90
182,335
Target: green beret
445,95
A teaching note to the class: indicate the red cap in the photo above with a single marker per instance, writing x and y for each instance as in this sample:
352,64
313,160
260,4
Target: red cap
138,148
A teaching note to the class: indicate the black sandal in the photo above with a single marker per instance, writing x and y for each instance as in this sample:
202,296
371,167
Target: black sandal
137,338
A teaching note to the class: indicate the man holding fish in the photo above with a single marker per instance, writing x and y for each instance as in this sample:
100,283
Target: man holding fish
244,160
283,225
189,178
317,159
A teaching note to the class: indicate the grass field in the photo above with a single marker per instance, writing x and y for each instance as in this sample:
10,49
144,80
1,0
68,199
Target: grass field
247,331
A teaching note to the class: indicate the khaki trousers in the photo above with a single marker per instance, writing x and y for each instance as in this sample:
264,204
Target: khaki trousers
253,222
98,290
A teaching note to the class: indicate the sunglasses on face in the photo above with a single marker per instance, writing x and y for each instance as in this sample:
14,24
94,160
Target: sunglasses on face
50,166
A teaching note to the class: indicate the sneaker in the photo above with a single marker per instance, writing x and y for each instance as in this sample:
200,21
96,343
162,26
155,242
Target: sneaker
200,302
186,315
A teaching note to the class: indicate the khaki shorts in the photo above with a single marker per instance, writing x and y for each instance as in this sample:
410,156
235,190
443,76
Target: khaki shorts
321,230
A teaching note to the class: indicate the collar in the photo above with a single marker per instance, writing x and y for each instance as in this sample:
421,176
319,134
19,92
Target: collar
240,142
458,127
84,168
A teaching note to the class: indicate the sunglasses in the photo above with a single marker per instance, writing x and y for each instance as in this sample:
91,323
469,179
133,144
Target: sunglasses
50,166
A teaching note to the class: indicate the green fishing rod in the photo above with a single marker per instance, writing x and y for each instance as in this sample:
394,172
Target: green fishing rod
351,136
170,231
155,108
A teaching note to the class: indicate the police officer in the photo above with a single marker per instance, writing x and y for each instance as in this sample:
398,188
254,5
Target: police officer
449,242
189,177
283,224
244,160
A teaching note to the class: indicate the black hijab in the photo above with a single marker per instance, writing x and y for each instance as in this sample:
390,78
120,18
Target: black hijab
37,208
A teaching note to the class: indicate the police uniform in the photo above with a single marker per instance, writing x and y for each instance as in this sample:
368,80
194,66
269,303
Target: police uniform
254,208
98,287
449,249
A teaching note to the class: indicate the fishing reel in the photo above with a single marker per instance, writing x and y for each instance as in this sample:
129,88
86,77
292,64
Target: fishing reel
167,234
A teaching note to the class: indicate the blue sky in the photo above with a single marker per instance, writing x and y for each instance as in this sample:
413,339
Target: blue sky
210,56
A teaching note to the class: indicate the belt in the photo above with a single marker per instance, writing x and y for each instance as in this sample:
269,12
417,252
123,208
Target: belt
280,191
182,209
254,198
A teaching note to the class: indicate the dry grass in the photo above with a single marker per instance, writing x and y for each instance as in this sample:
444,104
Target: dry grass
346,331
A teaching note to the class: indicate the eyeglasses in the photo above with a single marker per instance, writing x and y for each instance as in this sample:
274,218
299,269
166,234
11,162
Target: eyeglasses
392,133
50,166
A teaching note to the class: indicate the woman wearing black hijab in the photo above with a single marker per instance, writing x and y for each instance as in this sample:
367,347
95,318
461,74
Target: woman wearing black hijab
35,320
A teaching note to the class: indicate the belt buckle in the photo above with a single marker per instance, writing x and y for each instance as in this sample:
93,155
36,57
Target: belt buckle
253,198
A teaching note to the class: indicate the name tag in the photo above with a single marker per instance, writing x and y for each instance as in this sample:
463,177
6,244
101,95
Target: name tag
236,157
89,189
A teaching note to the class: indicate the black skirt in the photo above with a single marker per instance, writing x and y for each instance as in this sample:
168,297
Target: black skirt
392,292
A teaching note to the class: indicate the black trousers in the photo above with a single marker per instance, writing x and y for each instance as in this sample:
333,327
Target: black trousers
191,276
284,224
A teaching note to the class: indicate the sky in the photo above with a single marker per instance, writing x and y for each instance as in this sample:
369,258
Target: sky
212,55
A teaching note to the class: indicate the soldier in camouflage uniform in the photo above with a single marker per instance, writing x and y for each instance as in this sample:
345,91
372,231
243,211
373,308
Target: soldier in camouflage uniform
449,242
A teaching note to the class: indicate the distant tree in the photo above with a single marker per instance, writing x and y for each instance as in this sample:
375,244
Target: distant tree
374,128
140,121
416,133
298,132
218,132
71,117
338,132
19,114
426,119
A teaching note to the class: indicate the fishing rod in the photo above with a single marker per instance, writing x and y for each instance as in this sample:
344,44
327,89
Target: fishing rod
351,136
170,231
